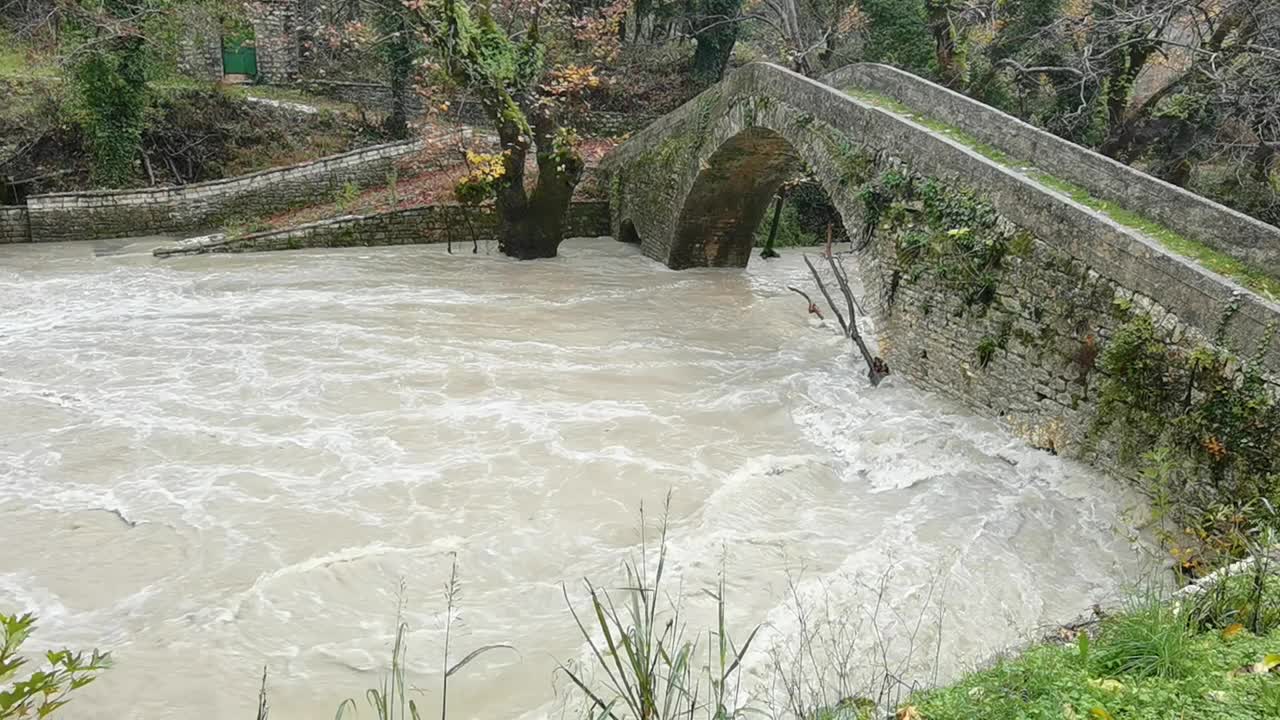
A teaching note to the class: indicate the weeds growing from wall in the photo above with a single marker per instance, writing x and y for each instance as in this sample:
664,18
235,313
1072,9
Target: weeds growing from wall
1204,429
942,232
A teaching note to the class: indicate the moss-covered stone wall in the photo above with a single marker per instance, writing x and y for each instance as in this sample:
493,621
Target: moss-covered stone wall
427,224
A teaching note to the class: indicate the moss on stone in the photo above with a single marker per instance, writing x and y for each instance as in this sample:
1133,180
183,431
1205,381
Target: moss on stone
1252,277
939,230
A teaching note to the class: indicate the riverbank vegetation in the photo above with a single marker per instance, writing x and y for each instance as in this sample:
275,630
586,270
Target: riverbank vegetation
1210,653
40,692
97,94
1203,427
190,132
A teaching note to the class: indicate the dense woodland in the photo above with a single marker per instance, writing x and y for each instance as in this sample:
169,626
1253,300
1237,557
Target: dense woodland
1185,89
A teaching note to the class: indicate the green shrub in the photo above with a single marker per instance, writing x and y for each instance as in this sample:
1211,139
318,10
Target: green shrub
1150,639
1204,429
112,88
346,196
44,691
898,34
1250,599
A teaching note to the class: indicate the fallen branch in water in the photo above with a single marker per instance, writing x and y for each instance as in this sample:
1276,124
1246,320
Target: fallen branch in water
813,307
877,368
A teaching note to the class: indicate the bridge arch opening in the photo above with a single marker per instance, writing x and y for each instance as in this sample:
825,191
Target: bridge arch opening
730,203
627,232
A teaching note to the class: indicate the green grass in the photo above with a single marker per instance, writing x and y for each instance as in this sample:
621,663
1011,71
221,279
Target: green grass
1153,660
1250,276
1145,665
1246,274
990,152
1150,639
18,61
12,60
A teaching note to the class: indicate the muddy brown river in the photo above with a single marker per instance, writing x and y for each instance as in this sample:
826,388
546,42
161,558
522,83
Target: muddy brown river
213,464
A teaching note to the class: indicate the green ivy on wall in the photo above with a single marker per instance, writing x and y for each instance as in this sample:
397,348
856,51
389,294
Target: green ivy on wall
1203,428
111,84
946,233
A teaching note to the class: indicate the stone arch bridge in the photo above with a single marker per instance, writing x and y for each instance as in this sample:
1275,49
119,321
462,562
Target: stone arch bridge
996,259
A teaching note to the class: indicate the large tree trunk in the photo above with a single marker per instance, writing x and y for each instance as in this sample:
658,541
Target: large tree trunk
534,231
715,33
397,123
398,52
532,225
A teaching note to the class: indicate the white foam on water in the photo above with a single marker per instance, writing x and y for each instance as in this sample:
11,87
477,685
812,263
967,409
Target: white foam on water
213,463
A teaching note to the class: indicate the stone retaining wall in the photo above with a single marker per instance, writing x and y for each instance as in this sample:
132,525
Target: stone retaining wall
377,98
412,226
183,209
13,224
1220,227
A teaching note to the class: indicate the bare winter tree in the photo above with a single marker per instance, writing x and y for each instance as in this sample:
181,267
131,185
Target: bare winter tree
1188,75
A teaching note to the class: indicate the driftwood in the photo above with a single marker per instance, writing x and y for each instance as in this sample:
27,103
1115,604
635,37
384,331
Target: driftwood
877,368
813,307
768,251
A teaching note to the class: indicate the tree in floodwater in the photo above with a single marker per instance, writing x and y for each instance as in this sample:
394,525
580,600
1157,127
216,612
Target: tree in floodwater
505,67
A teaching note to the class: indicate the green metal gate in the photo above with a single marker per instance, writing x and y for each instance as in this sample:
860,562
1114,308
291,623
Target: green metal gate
239,59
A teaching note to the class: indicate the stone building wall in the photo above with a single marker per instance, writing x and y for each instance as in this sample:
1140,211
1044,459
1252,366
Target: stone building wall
200,49
275,28
412,226
200,57
199,206
13,224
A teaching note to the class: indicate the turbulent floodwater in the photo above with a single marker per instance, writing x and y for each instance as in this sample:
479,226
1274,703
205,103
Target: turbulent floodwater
212,464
